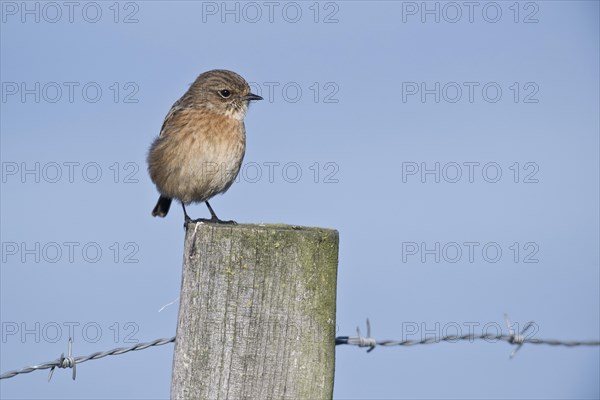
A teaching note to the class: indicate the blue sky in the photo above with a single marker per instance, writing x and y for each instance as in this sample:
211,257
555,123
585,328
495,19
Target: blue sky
454,147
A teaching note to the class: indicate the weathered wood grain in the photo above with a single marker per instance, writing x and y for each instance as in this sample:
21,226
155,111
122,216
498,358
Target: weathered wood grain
257,313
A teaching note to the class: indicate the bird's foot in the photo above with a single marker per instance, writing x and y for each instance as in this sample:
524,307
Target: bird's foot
214,220
186,221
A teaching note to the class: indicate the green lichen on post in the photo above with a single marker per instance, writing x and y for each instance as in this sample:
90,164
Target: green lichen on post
262,298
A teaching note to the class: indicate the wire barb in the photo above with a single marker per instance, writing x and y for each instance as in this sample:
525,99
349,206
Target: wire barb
65,362
515,338
365,341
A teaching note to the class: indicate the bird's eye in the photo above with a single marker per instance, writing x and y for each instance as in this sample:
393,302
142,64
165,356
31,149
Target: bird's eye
225,93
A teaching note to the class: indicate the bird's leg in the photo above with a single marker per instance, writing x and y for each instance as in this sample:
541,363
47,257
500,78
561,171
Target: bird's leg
187,218
213,217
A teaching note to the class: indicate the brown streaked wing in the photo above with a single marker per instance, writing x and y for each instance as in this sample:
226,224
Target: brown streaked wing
175,109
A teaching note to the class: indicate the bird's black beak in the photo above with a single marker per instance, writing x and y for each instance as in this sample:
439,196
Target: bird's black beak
251,96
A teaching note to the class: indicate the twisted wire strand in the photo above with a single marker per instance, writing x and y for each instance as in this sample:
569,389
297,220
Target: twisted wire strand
368,342
517,339
60,362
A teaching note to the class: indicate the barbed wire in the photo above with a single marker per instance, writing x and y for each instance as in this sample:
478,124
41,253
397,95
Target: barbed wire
71,362
514,338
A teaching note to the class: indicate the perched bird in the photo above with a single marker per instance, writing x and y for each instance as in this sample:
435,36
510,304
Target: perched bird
202,142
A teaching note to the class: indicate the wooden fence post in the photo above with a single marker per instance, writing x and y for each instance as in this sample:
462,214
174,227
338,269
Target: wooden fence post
257,313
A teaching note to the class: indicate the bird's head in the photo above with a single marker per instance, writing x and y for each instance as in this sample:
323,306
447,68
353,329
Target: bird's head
223,92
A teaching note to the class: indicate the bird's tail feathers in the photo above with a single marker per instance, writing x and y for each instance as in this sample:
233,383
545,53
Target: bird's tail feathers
162,207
